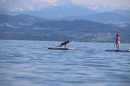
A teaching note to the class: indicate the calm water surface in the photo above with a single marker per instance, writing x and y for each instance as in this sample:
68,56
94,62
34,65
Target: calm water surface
30,63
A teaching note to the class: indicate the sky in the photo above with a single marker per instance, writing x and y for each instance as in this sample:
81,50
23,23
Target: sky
85,2
104,2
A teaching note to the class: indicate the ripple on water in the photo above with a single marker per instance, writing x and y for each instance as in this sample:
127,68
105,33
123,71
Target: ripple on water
30,63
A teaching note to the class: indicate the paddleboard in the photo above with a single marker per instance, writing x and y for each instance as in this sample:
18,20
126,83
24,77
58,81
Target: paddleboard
118,50
61,48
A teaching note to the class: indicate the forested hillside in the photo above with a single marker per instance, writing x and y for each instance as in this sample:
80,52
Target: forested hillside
24,27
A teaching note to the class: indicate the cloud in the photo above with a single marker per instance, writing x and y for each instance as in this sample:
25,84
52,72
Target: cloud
2,1
104,2
49,1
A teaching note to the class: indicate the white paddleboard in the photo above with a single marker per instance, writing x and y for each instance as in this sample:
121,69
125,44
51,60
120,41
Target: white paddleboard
119,50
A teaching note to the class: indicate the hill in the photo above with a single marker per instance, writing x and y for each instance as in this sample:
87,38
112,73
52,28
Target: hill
22,27
105,17
22,18
122,12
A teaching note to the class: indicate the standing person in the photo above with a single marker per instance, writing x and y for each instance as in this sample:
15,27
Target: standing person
117,42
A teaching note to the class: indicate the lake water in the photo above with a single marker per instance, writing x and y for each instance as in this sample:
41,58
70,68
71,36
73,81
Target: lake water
30,63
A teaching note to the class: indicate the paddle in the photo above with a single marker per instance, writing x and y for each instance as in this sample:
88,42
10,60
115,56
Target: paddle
114,46
64,38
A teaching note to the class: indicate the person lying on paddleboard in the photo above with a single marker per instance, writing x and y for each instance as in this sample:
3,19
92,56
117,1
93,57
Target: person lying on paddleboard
64,43
117,42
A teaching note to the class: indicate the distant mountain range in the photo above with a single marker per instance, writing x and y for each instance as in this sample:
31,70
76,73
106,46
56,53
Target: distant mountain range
52,9
52,19
61,11
55,12
25,27
105,17
28,5
106,8
72,12
122,12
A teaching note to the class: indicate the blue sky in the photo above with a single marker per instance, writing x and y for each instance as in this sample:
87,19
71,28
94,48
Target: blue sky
104,2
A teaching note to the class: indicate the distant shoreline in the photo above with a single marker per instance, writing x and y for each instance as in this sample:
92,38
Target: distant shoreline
59,41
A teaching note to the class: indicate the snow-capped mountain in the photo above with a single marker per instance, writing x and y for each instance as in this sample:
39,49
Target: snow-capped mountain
122,7
26,5
104,8
55,8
